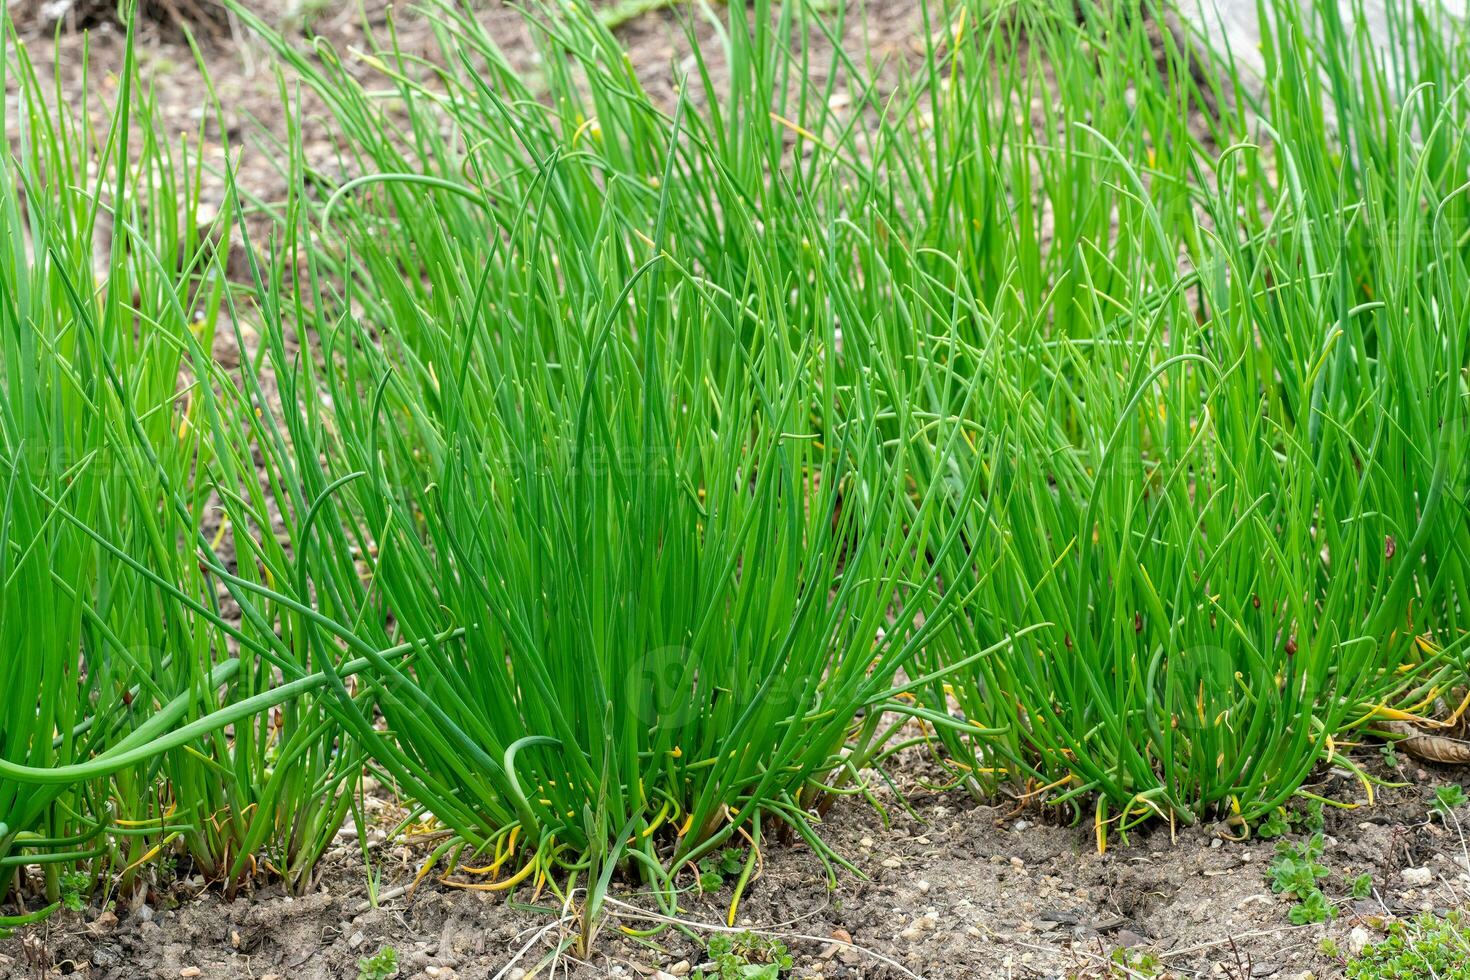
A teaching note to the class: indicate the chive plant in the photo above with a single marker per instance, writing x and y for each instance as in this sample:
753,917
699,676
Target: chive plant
131,637
69,442
587,404
1135,334
1225,451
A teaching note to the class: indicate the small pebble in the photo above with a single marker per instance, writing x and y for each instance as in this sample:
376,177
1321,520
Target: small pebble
1417,876
190,971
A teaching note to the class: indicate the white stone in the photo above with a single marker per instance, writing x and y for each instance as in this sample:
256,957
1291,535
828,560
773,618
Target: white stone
1417,877
1234,25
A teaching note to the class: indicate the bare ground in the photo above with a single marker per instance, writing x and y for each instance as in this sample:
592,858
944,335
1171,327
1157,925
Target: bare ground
951,890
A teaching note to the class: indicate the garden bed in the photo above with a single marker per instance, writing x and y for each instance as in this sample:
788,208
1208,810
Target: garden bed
942,885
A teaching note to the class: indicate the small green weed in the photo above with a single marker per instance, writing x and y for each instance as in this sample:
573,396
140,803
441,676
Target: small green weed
1296,872
1421,948
1450,796
74,888
1276,825
1134,963
380,966
1296,868
1282,821
1313,907
714,870
745,956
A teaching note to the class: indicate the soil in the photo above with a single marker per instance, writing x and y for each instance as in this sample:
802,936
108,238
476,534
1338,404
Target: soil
946,887
240,70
